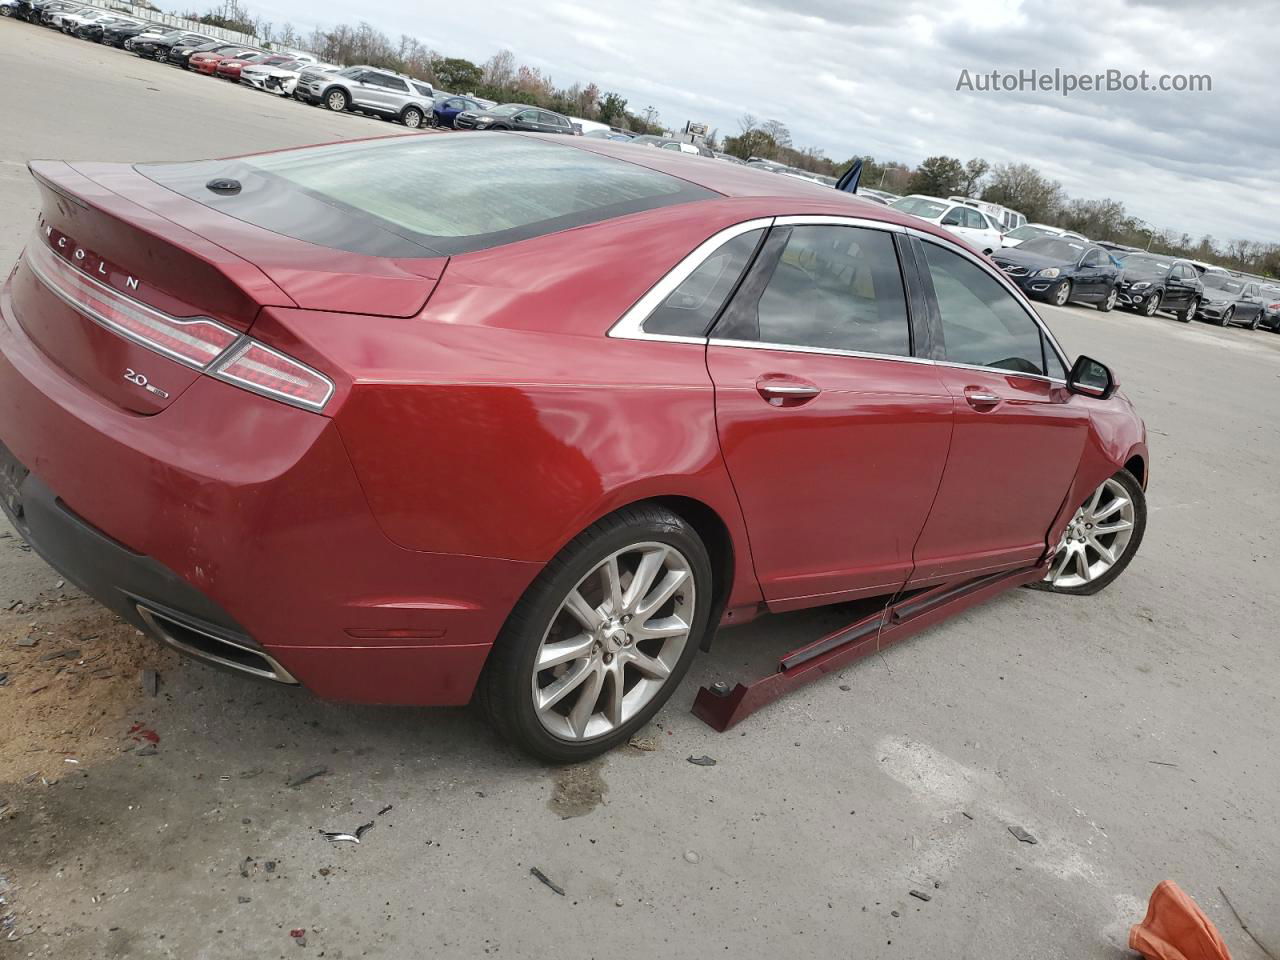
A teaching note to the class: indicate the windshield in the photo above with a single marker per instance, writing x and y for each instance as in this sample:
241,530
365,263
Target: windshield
1218,282
1055,248
919,207
1146,266
507,109
1028,232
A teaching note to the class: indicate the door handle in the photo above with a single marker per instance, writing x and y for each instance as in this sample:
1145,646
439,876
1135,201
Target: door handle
979,398
789,391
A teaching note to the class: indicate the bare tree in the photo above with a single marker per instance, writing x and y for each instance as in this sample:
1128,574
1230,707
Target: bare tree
778,131
500,69
747,123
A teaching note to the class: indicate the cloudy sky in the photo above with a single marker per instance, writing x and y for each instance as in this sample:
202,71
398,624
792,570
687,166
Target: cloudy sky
879,77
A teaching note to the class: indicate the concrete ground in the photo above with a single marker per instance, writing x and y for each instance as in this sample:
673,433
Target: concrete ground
1134,734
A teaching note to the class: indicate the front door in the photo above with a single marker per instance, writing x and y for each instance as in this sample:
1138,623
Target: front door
1018,434
835,436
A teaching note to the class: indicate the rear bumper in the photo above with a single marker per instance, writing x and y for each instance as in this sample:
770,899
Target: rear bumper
243,517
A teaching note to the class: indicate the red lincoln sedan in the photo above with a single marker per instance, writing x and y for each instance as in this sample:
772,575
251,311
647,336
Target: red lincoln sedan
294,416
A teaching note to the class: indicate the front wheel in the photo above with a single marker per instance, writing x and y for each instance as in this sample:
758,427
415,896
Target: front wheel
1152,305
1061,293
1227,316
1101,538
412,118
336,100
1109,304
1189,311
601,639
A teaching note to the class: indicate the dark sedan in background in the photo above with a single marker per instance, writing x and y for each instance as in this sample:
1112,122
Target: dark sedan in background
115,36
1060,270
178,52
445,110
514,116
1152,283
1227,300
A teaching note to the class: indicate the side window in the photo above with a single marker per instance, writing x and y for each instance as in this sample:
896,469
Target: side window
954,217
527,116
690,309
396,84
548,118
671,146
1093,258
836,288
975,220
982,324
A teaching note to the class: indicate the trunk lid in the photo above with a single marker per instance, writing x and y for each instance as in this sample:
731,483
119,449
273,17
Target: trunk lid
128,286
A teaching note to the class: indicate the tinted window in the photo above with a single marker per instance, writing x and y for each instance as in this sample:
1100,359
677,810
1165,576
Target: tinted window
692,306
381,197
421,90
837,288
982,324
1094,258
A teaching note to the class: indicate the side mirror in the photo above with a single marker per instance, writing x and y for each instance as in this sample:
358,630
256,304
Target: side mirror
1090,378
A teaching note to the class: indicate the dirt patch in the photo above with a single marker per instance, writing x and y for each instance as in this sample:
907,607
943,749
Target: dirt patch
578,790
72,693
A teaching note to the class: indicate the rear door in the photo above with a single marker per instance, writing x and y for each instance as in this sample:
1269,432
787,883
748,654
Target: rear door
1019,433
1093,278
834,432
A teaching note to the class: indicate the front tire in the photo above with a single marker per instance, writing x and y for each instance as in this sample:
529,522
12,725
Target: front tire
1061,293
412,118
601,638
336,100
1101,540
1227,316
1152,306
1109,303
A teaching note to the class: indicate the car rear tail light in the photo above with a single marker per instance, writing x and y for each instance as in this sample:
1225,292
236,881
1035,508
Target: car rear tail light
195,342
198,342
259,368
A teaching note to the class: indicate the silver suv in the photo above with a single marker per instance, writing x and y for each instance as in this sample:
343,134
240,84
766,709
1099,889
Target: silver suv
392,96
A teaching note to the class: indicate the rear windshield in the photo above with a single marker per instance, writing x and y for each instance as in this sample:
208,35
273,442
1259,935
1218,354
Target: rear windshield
420,196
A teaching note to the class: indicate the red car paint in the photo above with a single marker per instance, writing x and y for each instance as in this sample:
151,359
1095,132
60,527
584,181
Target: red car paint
208,61
229,69
482,418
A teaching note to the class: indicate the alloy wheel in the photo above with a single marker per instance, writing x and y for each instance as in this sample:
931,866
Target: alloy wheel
412,119
1062,294
337,101
1111,300
1097,537
1227,317
614,641
1153,304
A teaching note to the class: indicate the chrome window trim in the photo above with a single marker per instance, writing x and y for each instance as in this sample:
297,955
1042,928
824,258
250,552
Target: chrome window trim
825,351
631,324
834,220
1019,297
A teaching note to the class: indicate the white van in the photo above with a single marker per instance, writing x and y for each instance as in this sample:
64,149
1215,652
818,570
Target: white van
1007,218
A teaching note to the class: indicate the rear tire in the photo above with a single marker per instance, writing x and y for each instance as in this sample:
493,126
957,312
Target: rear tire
1109,302
1189,311
566,711
1109,524
1257,321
